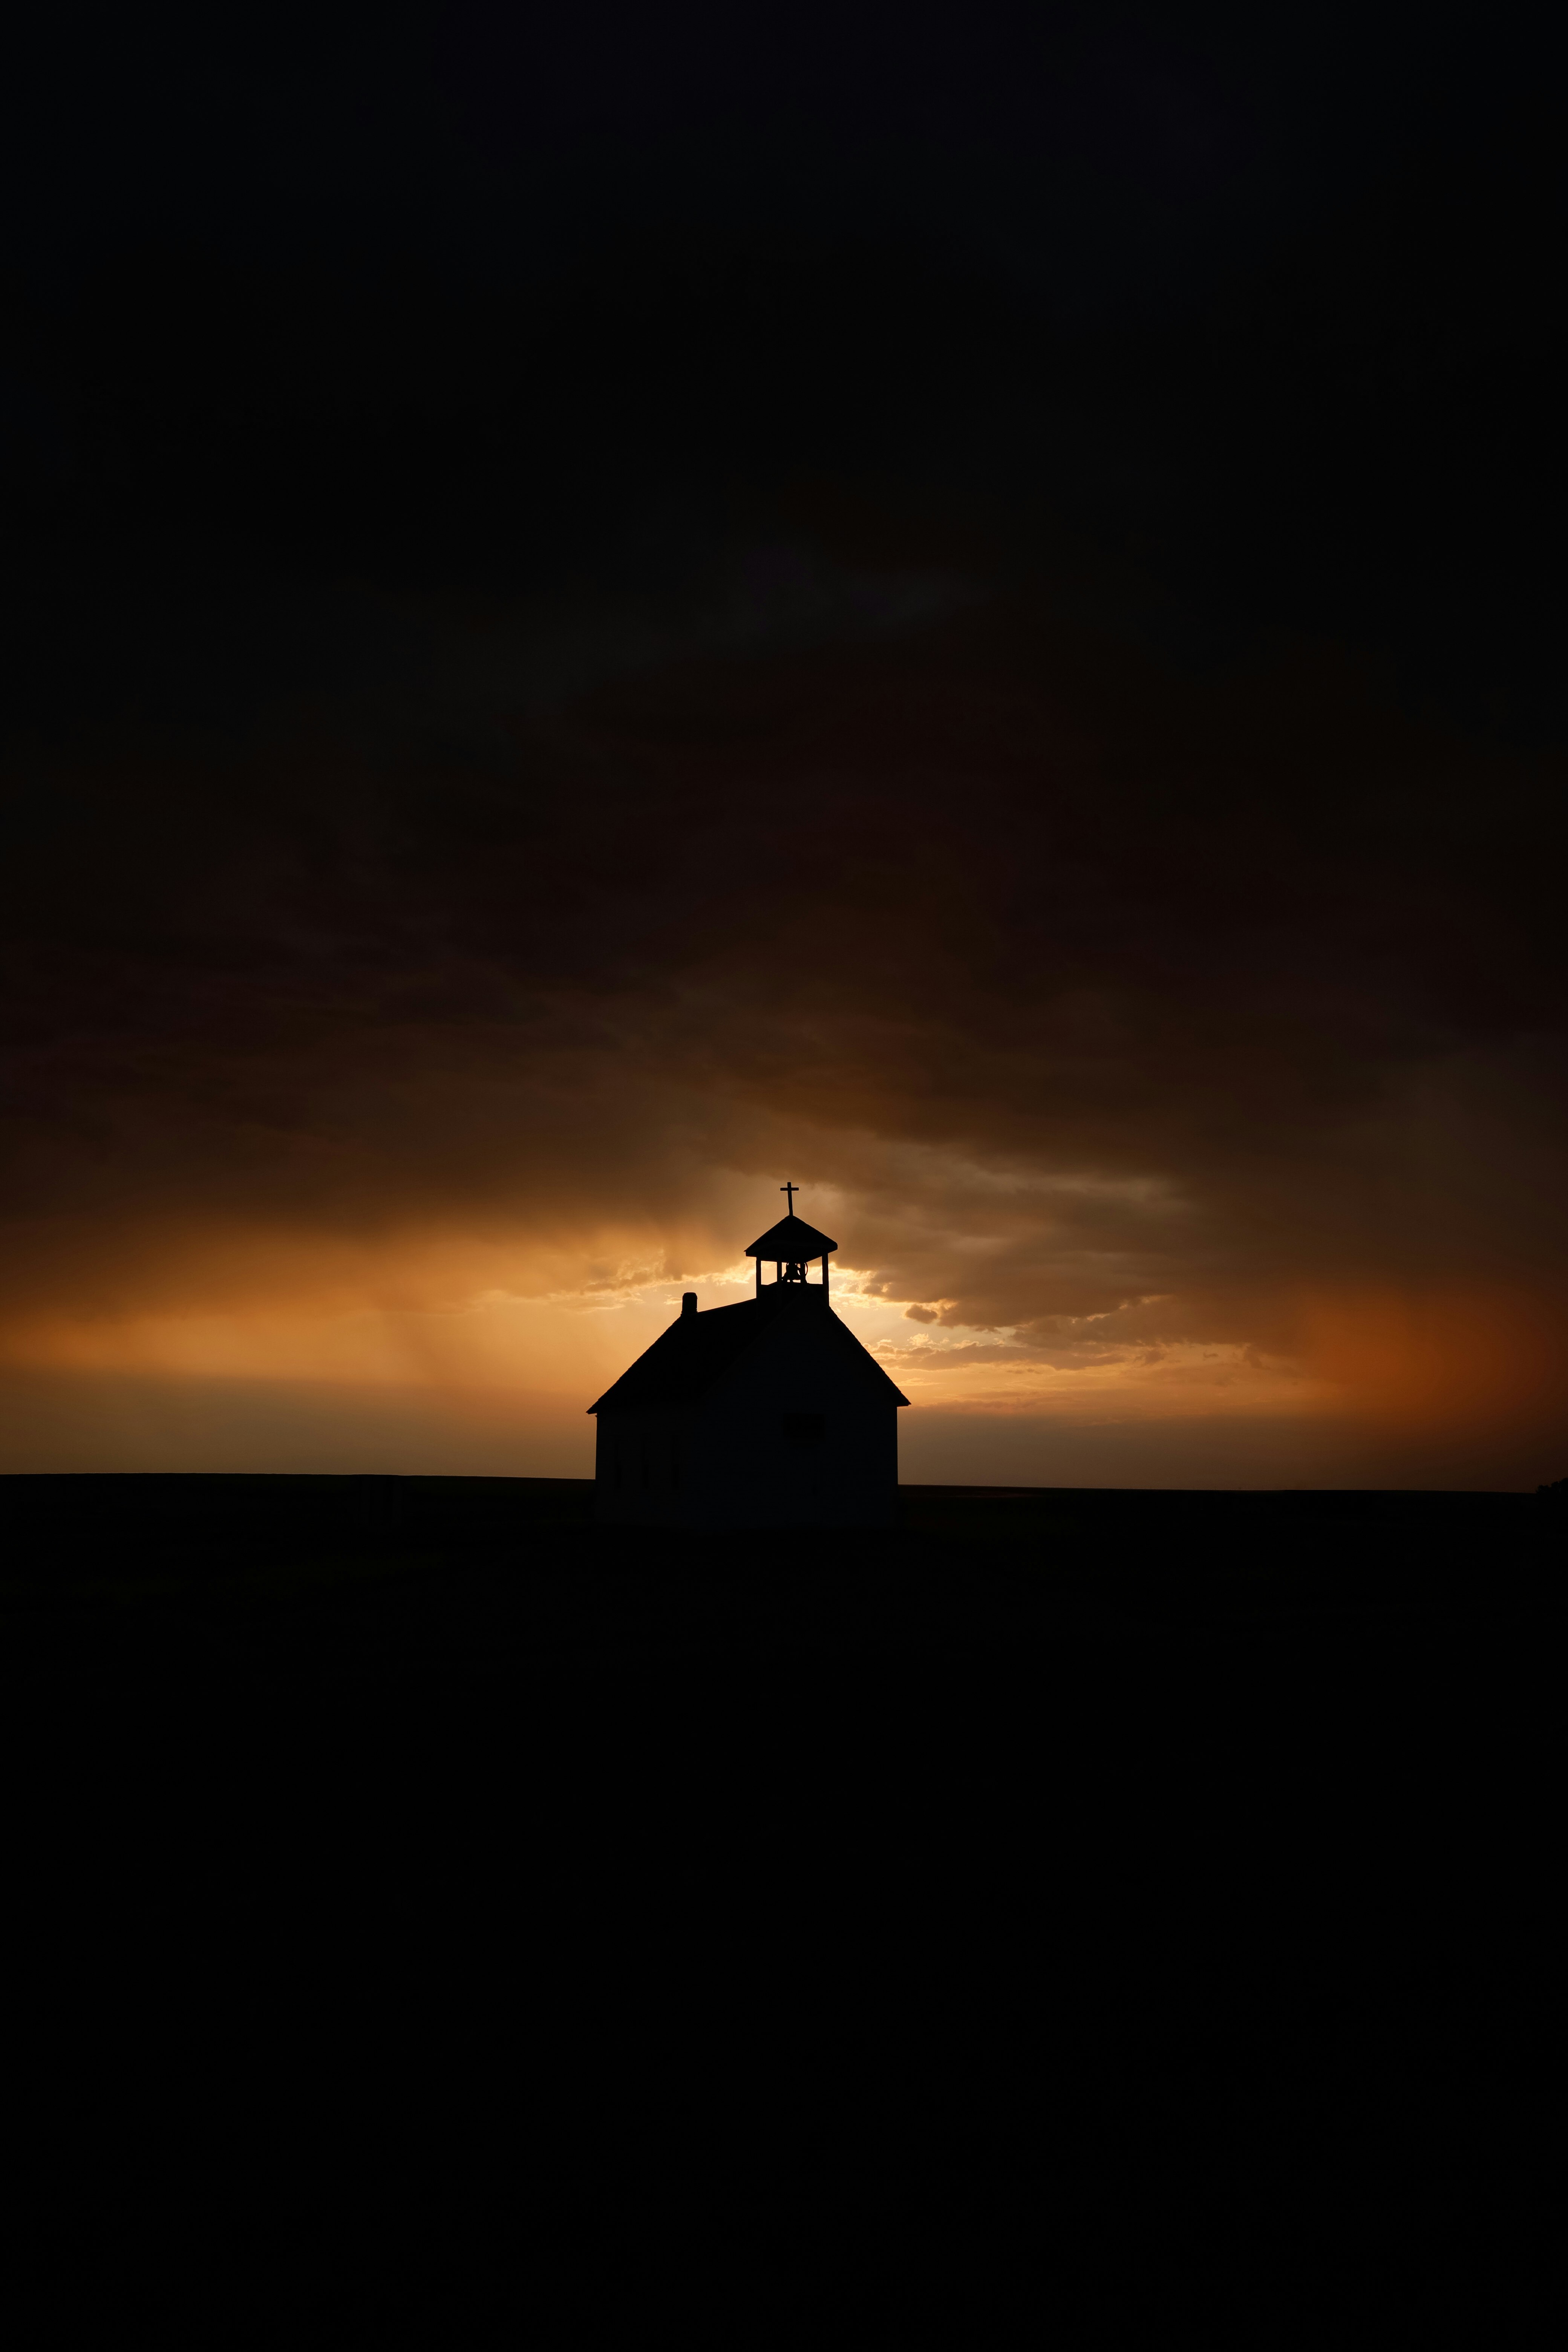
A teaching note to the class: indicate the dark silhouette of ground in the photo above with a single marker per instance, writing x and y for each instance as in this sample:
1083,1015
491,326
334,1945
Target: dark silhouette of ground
1072,1912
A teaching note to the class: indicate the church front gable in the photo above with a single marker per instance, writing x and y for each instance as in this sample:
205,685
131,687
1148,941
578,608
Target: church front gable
806,1359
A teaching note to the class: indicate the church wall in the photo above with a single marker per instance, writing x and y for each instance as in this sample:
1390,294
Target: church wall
746,1463
643,1467
761,1468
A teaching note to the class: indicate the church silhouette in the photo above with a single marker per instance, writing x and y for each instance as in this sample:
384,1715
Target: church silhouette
769,1414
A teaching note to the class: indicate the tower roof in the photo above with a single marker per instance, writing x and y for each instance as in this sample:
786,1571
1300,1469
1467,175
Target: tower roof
790,1242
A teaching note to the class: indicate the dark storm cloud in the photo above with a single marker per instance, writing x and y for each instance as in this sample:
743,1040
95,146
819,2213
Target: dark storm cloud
981,885
489,745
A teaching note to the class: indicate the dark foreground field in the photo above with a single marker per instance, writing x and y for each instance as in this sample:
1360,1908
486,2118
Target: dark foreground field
1076,1915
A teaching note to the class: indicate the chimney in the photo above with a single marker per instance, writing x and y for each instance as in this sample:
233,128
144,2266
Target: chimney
688,1304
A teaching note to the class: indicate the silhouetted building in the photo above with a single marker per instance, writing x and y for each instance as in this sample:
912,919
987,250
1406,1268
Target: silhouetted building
769,1414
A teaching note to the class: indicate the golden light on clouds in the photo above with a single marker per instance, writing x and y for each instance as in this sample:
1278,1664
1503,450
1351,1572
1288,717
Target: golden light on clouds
424,1322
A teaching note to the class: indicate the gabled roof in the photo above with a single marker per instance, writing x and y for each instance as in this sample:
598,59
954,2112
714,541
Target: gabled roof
696,1351
694,1355
790,1242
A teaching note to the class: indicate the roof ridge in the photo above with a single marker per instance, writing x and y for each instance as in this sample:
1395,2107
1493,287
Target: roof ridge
692,1355
689,1327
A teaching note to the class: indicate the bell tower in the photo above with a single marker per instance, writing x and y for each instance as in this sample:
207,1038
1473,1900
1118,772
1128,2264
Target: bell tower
789,1247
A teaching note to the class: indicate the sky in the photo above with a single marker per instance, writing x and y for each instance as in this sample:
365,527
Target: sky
606,608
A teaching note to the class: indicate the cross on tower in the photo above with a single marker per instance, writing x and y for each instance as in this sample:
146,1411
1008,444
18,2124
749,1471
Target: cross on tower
791,1190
